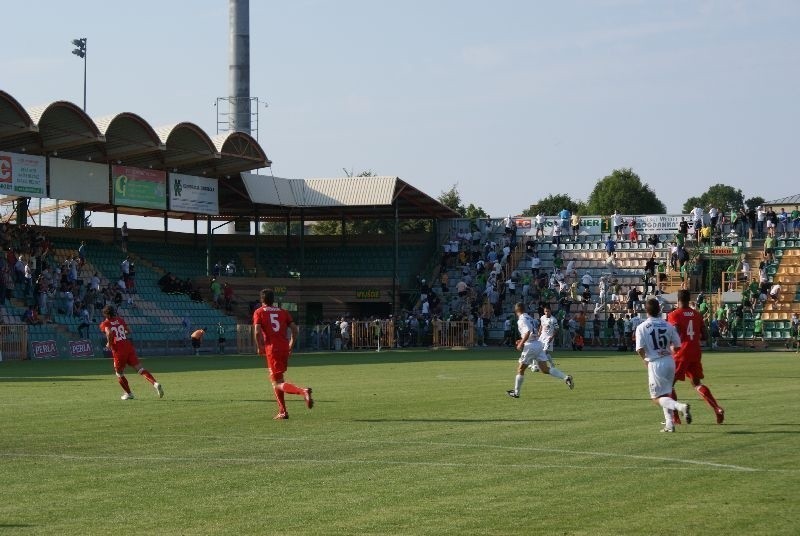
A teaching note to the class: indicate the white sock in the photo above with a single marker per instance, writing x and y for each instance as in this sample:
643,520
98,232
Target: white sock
518,382
557,373
667,403
668,422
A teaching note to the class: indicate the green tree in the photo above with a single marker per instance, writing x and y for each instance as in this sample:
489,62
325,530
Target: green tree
555,203
722,196
624,191
452,199
754,202
279,228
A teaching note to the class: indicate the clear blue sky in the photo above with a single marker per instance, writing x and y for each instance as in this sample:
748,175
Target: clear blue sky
512,100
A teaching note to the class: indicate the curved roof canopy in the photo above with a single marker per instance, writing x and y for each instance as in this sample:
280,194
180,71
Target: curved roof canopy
62,129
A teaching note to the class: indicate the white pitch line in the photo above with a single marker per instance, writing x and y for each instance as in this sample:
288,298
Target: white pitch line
262,461
498,447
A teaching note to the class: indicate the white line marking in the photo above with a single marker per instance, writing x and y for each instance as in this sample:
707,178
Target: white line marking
262,461
497,447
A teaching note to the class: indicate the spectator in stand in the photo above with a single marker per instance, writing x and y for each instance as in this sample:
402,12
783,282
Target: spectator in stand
697,218
31,317
795,217
587,281
227,297
752,221
761,216
575,223
633,299
771,220
82,254
83,315
556,235
633,234
705,235
124,236
775,292
539,221
713,215
217,268
616,225
564,216
536,265
652,242
230,268
216,292
769,248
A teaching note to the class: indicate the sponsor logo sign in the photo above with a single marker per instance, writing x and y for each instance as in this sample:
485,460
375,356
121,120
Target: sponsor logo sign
194,194
368,294
135,187
22,175
44,349
81,348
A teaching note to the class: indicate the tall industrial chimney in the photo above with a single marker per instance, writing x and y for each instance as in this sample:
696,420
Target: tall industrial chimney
239,75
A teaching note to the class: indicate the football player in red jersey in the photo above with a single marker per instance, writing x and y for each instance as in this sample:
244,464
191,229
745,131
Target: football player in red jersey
122,350
271,325
691,329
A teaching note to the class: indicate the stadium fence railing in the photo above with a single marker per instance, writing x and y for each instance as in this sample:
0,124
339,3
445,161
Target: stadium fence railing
13,342
453,333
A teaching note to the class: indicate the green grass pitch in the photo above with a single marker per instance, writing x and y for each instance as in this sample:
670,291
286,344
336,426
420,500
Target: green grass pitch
399,443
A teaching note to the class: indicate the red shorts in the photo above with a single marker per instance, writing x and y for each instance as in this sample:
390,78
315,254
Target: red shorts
124,357
277,365
688,367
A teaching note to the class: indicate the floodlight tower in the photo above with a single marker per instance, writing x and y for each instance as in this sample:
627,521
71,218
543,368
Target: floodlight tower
80,51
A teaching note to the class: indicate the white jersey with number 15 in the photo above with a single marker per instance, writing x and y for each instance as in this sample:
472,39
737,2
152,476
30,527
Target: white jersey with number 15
656,336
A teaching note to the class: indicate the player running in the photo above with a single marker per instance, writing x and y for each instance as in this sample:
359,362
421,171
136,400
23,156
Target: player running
271,325
534,353
117,339
655,341
691,329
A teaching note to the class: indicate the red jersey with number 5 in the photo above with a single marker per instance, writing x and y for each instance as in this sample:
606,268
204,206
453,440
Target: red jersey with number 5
274,323
119,334
689,324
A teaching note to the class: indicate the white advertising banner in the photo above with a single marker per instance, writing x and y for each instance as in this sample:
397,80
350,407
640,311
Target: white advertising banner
79,181
23,175
188,193
594,225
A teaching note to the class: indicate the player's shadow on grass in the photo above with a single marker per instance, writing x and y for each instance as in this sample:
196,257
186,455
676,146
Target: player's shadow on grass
487,420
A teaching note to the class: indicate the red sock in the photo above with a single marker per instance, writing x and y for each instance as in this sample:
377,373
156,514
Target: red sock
279,397
292,389
705,392
147,376
123,381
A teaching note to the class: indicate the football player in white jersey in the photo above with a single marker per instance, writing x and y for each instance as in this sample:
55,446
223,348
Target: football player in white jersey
549,326
656,340
534,353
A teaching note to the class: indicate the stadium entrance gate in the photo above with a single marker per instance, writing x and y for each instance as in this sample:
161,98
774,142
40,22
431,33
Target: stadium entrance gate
13,342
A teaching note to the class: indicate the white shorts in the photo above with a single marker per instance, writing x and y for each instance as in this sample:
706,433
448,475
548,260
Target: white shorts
661,376
533,351
547,346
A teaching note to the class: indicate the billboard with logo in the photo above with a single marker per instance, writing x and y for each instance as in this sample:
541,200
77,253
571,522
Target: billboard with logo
193,194
81,348
23,175
593,225
136,187
44,349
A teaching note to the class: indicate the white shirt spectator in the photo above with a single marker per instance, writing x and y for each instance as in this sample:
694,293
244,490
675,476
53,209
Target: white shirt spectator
587,280
761,214
539,219
775,291
616,219
536,262
713,212
94,282
230,268
697,214
125,266
746,269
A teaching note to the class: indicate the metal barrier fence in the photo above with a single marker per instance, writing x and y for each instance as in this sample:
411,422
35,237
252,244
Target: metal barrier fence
13,342
447,333
375,334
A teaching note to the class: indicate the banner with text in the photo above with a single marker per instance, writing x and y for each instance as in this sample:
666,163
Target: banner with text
593,225
44,349
194,194
136,187
23,175
81,348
